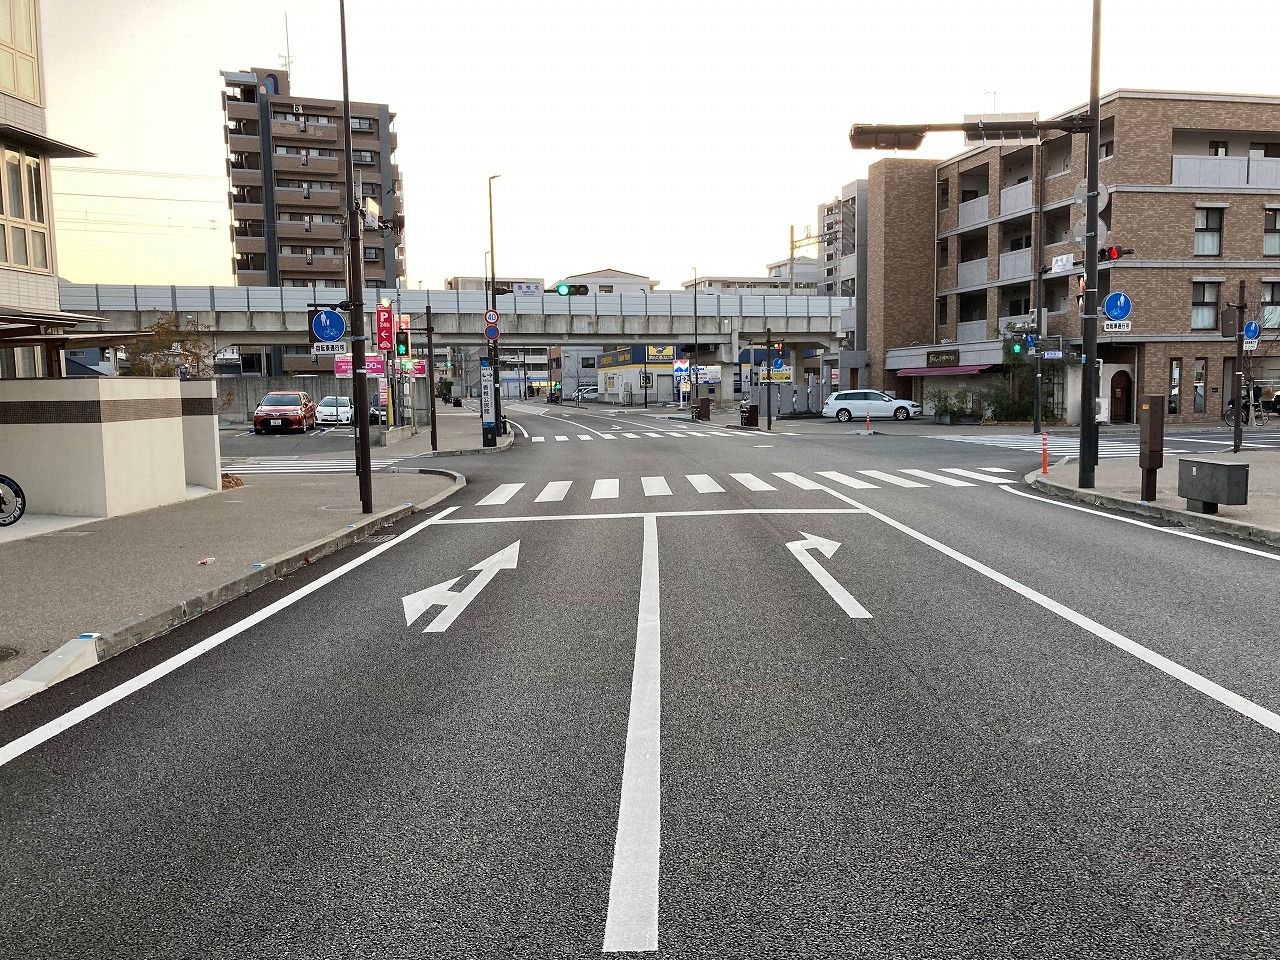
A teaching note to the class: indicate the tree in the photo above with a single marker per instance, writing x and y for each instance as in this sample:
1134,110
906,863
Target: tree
170,349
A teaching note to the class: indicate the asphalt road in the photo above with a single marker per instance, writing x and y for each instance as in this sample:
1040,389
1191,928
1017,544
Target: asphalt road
688,696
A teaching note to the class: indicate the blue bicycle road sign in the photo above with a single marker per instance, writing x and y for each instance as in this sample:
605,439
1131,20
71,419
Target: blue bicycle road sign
1251,330
329,326
1117,306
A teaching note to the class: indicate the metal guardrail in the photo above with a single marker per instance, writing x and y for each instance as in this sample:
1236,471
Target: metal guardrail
97,297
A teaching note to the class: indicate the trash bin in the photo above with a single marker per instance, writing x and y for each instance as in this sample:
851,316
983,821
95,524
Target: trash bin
704,409
750,414
457,401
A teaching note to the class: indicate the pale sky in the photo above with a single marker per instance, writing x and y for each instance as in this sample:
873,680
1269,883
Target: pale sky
653,137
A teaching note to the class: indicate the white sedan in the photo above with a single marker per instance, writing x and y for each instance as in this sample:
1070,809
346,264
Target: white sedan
846,405
334,410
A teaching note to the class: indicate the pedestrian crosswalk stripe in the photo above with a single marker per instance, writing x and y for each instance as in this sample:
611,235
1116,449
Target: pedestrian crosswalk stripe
703,483
890,478
848,481
283,465
553,491
632,436
804,483
997,469
501,494
655,486
693,433
539,439
562,437
976,476
585,436
939,478
1058,446
653,434
607,436
752,482
716,433
605,490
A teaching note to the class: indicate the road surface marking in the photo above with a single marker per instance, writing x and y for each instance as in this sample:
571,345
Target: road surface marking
1242,705
501,494
553,491
585,436
562,437
804,483
656,486
607,436
997,470
539,439
455,601
977,476
853,482
632,436
716,433
653,434
693,433
731,512
30,741
632,920
605,490
516,425
801,548
938,478
703,483
890,478
752,482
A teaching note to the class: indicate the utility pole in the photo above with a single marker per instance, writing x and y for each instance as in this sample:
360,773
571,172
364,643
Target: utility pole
694,366
1038,287
431,375
493,305
1089,317
355,290
1243,407
768,383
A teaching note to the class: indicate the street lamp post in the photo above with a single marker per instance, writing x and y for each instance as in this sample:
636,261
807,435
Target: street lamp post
355,289
493,305
693,367
870,136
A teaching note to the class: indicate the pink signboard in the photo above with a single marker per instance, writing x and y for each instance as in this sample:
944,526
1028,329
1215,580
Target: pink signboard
373,366
419,368
342,368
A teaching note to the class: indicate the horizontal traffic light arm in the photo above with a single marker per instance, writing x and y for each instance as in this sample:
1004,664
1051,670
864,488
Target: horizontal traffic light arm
908,136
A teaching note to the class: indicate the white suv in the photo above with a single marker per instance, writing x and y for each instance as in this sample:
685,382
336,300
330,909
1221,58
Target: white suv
587,393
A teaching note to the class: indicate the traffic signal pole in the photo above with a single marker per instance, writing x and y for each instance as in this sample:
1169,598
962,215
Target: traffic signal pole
1089,317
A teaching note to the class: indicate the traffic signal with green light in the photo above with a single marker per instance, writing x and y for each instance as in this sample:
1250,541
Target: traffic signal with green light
572,289
1017,346
402,343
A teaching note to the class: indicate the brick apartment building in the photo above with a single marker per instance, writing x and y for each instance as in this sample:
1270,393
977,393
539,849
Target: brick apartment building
286,162
954,252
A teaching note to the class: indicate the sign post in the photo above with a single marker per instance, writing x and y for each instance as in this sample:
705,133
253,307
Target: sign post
488,417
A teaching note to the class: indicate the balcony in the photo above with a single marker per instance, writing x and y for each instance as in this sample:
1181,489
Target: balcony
243,143
972,273
1225,172
294,230
294,199
246,211
974,211
1015,263
1016,198
247,244
310,166
239,110
972,331
245,177
297,264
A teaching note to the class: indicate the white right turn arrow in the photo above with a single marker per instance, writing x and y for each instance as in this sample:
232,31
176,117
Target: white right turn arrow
839,594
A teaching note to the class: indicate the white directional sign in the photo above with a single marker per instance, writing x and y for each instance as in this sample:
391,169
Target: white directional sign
1117,326
827,548
1062,263
455,601
488,416
339,349
1251,344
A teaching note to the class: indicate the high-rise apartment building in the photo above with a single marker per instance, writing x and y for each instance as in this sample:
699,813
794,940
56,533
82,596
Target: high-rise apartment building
286,162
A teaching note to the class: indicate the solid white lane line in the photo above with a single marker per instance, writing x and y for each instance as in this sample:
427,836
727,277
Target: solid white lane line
516,425
605,490
632,920
938,478
656,486
1173,531
1242,705
553,491
703,483
890,478
974,475
848,481
752,482
585,436
632,436
561,438
501,494
23,744
539,439
804,483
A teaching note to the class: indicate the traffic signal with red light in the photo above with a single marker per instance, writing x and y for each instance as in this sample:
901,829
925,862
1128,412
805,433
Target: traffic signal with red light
1106,254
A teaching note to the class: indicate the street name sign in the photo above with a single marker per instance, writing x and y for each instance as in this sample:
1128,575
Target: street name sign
1053,354
1062,263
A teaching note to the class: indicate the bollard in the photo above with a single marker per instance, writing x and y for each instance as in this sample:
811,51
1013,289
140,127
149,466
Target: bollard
868,423
1044,452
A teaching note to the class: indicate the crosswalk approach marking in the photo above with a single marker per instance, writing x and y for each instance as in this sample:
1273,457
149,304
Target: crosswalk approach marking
653,434
501,494
655,486
553,491
605,490
939,478
703,483
632,436
607,436
752,482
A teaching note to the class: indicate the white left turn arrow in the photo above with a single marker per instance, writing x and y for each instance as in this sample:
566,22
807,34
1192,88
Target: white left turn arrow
827,548
455,601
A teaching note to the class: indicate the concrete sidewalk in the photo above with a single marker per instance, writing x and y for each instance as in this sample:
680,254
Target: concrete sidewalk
123,580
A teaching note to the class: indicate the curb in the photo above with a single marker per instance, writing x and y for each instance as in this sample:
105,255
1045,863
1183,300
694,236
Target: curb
1199,521
504,444
90,649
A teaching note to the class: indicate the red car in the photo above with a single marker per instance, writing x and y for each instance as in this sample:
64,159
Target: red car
285,411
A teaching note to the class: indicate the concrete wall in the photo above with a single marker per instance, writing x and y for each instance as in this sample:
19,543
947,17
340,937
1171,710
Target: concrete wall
202,453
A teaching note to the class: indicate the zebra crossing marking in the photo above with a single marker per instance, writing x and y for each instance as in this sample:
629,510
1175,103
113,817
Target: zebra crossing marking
804,483
539,439
890,478
561,438
607,436
655,486
289,465
752,482
975,475
632,436
585,436
997,469
1059,446
703,483
605,490
939,478
553,491
852,482
501,494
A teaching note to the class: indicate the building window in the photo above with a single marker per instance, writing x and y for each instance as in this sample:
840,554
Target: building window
1271,305
588,363
944,254
1271,233
1258,151
24,232
942,311
1209,232
1218,148
1175,381
1019,307
18,69
1107,138
362,156
372,254
944,194
364,124
606,288
1202,364
1204,306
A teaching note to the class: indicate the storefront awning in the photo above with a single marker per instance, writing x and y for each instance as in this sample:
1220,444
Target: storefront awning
943,371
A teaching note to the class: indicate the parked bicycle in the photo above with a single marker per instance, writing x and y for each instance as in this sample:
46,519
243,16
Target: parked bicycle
1254,413
12,501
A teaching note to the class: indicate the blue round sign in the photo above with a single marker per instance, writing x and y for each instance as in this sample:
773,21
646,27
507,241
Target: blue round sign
1117,306
777,363
328,326
1251,330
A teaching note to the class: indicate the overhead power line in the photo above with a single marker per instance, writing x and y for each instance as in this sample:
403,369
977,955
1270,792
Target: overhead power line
122,196
164,174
